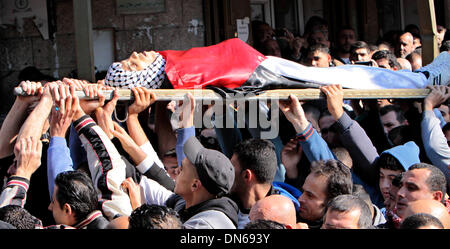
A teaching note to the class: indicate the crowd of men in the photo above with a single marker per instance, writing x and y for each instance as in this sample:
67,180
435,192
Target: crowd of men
70,163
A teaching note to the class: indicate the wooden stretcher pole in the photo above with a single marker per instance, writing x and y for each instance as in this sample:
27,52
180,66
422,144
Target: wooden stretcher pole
282,94
428,28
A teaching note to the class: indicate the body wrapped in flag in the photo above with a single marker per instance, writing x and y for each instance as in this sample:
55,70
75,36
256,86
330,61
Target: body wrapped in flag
233,64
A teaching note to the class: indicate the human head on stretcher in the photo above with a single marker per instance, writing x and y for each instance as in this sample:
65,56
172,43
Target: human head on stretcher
144,69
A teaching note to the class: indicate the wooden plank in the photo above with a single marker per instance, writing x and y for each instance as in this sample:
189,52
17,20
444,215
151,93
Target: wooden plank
282,94
83,39
428,28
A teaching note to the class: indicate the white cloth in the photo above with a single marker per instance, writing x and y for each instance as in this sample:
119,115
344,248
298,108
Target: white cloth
349,76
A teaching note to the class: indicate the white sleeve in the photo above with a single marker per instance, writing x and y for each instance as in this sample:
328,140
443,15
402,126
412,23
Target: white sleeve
151,159
153,191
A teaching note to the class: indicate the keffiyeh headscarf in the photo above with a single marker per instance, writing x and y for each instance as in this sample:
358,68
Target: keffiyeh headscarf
151,77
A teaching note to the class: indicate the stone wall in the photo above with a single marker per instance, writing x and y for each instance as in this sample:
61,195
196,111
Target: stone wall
180,27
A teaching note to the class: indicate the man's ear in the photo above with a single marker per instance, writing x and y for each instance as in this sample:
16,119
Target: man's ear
437,195
196,184
67,209
248,175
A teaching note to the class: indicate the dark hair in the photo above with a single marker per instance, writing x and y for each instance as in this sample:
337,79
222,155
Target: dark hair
445,46
76,189
412,28
264,224
339,176
154,217
348,202
402,134
359,44
259,156
31,73
416,221
436,181
19,217
388,55
446,127
319,47
388,161
393,108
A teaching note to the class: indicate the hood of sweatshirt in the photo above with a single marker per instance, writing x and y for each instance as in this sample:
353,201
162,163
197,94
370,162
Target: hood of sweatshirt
223,204
407,154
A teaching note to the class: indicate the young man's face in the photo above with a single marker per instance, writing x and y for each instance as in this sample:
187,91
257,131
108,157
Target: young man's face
390,121
318,59
171,166
445,112
312,201
414,187
346,39
329,135
360,55
59,214
385,181
238,184
138,61
185,179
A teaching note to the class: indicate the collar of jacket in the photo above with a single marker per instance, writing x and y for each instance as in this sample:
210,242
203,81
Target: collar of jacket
89,219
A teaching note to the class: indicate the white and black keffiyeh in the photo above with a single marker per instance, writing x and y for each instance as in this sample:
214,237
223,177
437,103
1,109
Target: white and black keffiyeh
151,77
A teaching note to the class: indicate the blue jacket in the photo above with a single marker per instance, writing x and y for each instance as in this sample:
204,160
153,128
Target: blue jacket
289,191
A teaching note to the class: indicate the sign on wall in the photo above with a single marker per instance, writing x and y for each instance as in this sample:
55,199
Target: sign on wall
140,6
13,12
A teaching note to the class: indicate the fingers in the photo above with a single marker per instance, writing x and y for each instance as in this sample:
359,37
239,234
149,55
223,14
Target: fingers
111,105
128,184
191,99
118,131
31,88
137,95
152,97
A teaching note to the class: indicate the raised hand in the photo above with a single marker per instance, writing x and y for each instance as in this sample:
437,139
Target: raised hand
92,91
187,111
143,99
335,100
437,96
104,115
290,157
28,153
294,112
61,119
128,144
134,192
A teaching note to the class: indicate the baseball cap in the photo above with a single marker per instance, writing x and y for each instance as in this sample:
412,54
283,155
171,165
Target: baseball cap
214,169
